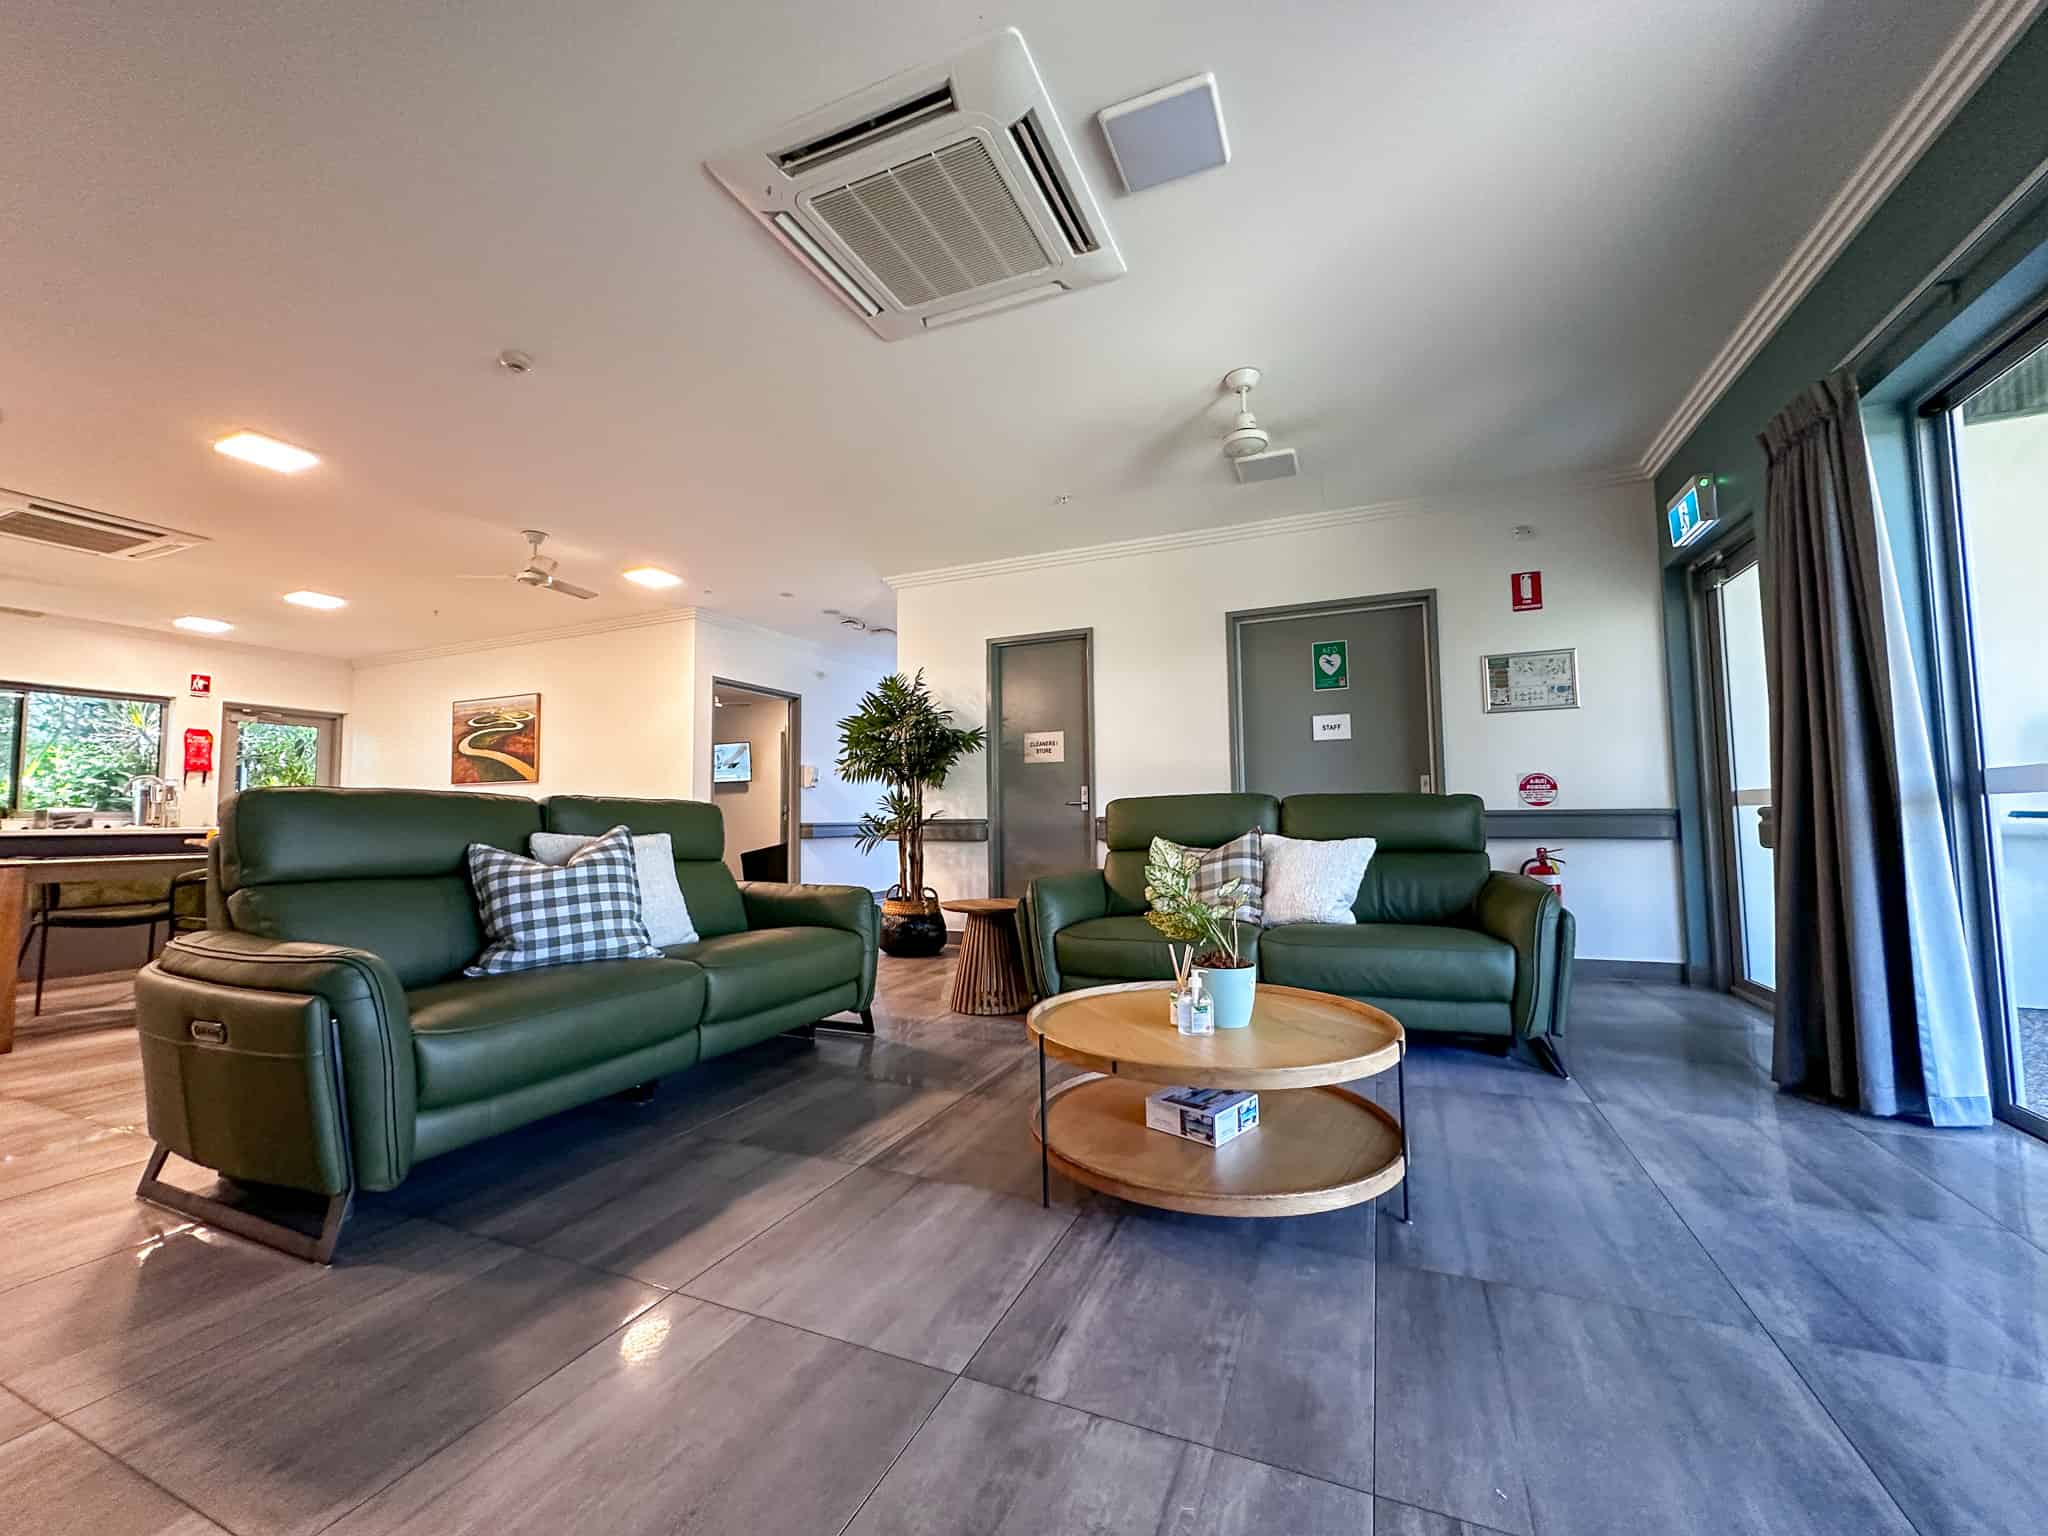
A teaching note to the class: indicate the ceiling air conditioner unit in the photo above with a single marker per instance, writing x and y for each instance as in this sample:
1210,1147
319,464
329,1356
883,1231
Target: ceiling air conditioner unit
57,525
943,193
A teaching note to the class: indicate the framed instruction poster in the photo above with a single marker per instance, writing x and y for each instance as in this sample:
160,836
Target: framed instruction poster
1519,680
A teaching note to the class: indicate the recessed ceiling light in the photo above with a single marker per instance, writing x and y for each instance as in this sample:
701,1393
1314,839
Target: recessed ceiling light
652,576
201,626
308,599
255,448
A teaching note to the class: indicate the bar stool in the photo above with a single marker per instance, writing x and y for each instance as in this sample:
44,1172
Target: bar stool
97,904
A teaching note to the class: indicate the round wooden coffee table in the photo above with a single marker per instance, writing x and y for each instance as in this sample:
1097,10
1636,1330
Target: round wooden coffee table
989,975
1318,1146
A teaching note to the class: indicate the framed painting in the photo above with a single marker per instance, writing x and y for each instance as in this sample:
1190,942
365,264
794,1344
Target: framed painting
496,741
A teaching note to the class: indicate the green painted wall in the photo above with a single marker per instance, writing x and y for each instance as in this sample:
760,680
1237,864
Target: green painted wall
1997,139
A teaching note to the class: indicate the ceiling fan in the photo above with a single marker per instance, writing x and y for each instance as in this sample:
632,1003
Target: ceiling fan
539,570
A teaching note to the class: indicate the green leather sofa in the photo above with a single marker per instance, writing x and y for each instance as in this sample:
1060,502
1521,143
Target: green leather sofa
320,1034
1443,941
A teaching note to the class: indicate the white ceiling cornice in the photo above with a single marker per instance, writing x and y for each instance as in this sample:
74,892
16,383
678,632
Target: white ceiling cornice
1976,51
1236,533
530,637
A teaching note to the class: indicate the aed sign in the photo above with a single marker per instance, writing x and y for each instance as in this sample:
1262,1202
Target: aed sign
1330,727
1330,664
1692,512
1045,746
1537,789
1525,591
202,684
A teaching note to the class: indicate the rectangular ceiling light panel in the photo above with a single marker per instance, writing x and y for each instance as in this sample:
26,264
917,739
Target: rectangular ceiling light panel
1166,134
943,189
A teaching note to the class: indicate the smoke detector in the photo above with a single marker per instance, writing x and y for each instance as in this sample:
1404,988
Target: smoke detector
942,194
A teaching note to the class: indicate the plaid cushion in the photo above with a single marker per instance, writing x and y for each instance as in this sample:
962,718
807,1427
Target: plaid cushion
538,914
1238,859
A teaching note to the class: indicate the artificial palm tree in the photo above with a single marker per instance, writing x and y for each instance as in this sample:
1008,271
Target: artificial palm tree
900,738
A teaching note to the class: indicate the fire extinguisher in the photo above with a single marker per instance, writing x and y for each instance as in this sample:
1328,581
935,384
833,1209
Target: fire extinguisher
1544,867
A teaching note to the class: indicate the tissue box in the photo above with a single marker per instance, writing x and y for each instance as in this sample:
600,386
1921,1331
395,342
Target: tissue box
1212,1116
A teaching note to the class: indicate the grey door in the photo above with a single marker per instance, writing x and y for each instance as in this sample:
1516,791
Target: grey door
1041,763
1376,732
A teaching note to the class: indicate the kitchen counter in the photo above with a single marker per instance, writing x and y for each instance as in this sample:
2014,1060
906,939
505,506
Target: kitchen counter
82,842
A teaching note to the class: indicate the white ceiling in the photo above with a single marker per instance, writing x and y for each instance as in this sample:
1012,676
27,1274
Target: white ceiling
1467,241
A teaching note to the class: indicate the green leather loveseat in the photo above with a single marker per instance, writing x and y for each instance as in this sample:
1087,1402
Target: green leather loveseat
320,1035
1443,941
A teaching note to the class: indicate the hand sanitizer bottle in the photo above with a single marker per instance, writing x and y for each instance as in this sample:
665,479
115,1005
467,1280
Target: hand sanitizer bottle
1203,1008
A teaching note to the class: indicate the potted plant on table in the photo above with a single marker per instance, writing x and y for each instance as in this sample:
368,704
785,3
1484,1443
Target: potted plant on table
1208,926
900,738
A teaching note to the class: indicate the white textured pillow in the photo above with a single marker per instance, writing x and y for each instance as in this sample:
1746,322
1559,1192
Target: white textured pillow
1313,880
662,907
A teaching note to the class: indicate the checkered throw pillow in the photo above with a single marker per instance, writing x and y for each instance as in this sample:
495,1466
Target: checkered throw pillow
538,914
1238,859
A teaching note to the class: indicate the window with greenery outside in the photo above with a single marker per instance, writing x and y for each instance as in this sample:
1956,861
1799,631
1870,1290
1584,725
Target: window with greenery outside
270,754
81,750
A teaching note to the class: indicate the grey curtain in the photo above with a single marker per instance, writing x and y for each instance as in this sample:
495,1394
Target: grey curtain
1875,1004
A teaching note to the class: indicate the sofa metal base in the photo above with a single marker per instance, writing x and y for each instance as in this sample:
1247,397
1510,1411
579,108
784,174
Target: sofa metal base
258,1229
866,1026
1549,1054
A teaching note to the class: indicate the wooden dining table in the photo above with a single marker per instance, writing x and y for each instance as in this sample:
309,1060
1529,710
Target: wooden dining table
20,877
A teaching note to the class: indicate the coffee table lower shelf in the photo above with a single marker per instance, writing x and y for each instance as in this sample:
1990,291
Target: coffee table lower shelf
1315,1149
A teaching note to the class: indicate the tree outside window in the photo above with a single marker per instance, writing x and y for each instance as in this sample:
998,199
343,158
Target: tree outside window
76,749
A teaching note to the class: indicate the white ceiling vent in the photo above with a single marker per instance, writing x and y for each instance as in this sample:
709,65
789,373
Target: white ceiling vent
943,193
83,531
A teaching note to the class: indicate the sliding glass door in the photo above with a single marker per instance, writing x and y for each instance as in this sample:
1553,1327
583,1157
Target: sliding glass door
1735,711
1993,431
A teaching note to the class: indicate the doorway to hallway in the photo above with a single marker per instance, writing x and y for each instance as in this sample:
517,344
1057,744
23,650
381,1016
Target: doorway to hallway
754,736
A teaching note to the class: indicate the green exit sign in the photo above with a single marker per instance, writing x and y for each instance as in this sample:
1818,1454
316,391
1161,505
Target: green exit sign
1330,664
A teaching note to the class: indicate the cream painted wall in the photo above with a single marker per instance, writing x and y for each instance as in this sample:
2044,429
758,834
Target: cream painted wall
1161,691
615,712
70,654
753,810
627,712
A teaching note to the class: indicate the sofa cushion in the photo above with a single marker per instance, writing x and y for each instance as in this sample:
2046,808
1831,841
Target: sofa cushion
698,832
1390,960
1125,949
479,1036
662,908
1196,821
764,968
538,915
1431,854
379,869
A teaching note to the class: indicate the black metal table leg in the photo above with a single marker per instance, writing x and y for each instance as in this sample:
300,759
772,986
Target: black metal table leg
1401,1095
1044,1135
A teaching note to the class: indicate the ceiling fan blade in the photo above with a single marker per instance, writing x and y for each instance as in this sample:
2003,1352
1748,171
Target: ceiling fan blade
570,588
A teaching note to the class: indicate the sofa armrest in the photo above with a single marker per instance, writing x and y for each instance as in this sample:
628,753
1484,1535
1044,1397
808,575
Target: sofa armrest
379,1078
851,907
1051,903
1527,914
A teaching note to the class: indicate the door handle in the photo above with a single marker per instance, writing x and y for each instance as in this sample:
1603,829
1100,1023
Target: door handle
1081,803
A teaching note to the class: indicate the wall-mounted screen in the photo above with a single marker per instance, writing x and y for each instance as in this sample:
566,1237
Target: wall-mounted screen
732,762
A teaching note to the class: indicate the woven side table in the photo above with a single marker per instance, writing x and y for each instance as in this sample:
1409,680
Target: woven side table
989,975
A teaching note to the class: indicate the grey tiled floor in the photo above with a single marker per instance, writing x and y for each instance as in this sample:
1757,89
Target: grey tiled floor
811,1289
